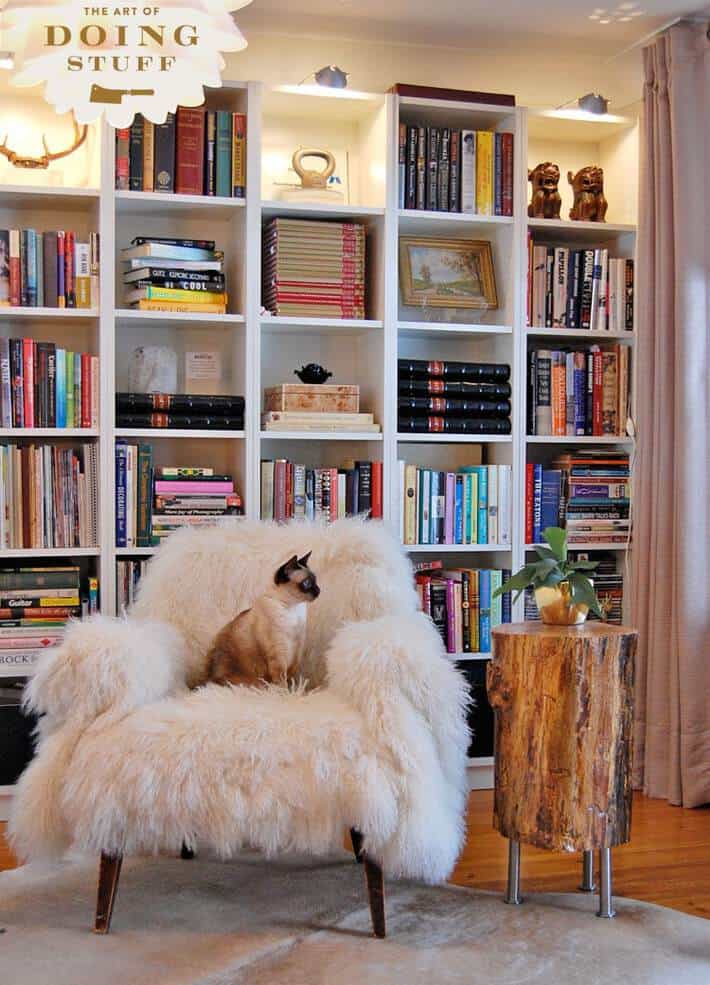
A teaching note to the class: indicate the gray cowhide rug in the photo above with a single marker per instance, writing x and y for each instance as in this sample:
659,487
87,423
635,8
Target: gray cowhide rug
299,922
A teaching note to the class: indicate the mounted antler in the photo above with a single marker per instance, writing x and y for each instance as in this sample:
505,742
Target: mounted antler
43,162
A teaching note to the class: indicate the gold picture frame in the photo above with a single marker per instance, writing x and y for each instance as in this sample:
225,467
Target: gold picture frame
428,266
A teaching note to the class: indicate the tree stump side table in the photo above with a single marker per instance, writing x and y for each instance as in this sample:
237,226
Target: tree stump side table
563,701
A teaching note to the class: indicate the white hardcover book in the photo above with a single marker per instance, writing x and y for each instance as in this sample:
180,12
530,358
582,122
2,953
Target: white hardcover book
611,297
504,504
493,500
342,492
602,315
267,490
559,288
596,283
468,171
5,391
620,295
18,663
130,494
299,492
426,503
401,465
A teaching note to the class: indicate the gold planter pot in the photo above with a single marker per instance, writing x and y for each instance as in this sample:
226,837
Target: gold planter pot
556,607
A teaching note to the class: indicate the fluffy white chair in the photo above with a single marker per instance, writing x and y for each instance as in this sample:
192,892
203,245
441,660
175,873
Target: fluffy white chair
131,761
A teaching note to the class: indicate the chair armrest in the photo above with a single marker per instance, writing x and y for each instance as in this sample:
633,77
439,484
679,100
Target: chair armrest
106,663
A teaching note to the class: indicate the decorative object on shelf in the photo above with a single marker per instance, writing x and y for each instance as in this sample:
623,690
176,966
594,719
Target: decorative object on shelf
331,398
332,77
564,594
589,204
153,369
546,201
567,693
593,103
447,273
43,162
315,185
313,373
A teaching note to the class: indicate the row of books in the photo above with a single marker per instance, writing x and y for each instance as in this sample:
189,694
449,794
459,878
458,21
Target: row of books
173,274
45,386
293,491
314,267
48,496
460,603
585,289
583,390
35,605
128,573
453,397
608,585
470,506
196,151
587,493
186,411
50,269
152,503
444,169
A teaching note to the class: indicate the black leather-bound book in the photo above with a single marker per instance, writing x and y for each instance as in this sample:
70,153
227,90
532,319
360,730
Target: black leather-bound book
452,407
452,425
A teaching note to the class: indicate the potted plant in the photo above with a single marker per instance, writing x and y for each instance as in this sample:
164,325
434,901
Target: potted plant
563,592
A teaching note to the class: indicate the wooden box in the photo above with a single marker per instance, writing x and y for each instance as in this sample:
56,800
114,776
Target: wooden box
322,397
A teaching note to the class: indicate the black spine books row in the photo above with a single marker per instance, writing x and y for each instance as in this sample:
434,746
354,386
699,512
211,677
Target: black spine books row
453,397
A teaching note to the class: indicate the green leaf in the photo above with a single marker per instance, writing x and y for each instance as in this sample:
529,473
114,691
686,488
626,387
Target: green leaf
582,593
544,552
518,582
556,537
543,569
554,578
583,565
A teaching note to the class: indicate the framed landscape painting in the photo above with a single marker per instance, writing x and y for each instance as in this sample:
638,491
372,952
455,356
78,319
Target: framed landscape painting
448,273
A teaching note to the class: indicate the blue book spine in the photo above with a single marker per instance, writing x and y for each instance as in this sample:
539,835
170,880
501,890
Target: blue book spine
482,504
223,154
484,618
433,506
537,503
550,498
121,528
506,599
579,377
458,511
61,387
31,267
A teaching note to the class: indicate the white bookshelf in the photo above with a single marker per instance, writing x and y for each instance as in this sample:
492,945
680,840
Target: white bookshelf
260,350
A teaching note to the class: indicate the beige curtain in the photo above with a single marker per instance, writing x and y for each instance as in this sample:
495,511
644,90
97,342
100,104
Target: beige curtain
671,559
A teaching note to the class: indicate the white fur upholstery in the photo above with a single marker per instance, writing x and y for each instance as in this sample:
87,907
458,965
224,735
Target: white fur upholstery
131,761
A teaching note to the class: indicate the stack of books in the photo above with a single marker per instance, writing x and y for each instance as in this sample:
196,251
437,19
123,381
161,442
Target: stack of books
461,605
128,574
179,275
186,411
579,289
314,267
48,496
453,397
470,506
153,502
586,491
194,152
35,605
315,407
292,491
48,270
45,386
581,390
444,169
608,585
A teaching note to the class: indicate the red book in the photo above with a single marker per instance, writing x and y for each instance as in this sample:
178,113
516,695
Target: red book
28,374
597,392
61,271
14,268
69,291
190,151
450,616
376,491
289,491
94,392
280,489
85,390
123,166
529,486
333,495
507,153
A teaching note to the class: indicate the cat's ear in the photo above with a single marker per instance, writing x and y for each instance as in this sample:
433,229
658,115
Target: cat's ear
282,573
303,561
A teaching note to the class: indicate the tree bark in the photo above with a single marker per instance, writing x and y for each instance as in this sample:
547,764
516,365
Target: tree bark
563,701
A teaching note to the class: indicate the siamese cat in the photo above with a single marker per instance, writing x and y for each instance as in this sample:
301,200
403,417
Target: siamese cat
265,643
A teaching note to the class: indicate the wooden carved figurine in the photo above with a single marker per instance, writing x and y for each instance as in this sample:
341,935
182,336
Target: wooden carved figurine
545,202
588,187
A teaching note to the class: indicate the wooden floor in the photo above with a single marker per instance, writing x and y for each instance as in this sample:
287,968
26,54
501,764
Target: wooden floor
667,861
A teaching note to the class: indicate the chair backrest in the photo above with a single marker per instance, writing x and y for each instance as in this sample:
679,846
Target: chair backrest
201,579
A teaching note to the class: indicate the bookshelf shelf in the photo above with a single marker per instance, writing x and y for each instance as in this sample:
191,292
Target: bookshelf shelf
569,231
456,548
287,323
481,761
195,434
468,657
607,439
321,436
135,551
455,439
50,552
425,223
180,318
579,335
586,547
187,206
449,330
320,210
50,314
49,199
60,434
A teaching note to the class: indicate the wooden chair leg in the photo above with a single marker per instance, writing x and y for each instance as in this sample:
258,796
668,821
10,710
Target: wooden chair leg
109,872
376,893
357,840
185,852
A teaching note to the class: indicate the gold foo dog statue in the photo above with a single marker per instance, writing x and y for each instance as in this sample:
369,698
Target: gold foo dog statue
546,201
588,187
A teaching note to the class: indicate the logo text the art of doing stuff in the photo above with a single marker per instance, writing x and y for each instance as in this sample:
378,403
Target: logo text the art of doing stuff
120,60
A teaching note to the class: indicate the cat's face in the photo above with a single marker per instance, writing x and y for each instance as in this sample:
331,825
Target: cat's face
297,580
